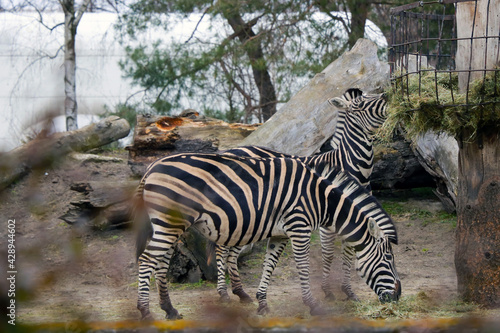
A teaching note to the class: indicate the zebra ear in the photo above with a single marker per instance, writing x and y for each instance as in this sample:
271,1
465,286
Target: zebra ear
374,229
338,102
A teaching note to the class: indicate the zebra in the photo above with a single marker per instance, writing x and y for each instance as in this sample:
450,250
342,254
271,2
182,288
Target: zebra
352,150
234,201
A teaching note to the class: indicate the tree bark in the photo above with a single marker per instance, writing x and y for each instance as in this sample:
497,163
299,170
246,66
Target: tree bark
43,152
359,13
438,154
260,71
71,21
158,136
477,252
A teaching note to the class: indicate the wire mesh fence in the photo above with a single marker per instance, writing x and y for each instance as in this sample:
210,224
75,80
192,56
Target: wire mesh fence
440,52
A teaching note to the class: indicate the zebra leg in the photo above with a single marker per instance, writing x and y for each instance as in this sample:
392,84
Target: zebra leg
161,282
146,266
157,250
221,253
301,245
327,238
234,274
275,247
347,257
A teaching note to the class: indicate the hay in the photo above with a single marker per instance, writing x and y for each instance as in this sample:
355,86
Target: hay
412,103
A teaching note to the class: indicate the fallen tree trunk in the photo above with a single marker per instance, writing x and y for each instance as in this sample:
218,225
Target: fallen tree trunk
100,204
438,154
41,153
158,136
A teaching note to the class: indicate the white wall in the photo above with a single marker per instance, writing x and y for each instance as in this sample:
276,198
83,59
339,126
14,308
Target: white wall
31,84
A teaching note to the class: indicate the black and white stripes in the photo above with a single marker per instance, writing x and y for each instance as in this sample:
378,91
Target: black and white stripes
352,151
235,201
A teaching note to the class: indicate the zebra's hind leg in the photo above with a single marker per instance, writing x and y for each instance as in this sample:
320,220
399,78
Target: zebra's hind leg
347,257
327,238
147,265
234,274
275,247
221,253
162,284
156,258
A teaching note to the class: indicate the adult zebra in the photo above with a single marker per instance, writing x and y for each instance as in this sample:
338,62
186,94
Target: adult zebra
352,151
235,201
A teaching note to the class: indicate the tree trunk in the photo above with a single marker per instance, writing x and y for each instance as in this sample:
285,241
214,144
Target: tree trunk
260,71
359,13
477,252
71,21
41,153
70,105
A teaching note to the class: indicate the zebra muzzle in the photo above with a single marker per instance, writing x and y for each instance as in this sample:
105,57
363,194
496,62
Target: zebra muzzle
391,296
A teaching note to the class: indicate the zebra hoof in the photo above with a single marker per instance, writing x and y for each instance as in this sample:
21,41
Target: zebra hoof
353,298
350,295
173,315
263,310
329,296
225,298
147,317
318,311
245,299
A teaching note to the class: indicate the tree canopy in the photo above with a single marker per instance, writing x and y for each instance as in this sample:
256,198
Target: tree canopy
233,59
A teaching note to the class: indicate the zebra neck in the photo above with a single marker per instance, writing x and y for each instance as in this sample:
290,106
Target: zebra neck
339,130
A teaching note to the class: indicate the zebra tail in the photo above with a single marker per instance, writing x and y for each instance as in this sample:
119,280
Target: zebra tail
210,252
142,224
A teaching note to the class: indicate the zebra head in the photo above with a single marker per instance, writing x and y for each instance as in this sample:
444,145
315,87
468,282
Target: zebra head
375,264
367,111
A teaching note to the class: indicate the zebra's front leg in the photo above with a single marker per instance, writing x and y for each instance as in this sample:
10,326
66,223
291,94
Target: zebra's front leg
275,247
221,253
347,257
327,238
234,274
162,284
301,248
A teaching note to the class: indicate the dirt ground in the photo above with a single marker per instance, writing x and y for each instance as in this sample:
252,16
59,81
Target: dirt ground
68,273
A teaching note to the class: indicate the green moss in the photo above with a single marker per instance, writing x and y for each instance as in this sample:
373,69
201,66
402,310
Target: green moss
413,104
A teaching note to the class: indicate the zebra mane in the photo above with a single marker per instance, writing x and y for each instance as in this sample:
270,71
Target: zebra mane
351,94
357,193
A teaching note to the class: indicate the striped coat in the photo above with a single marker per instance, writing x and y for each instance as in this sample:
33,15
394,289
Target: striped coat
235,201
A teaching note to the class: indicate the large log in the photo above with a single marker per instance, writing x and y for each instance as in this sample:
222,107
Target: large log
44,151
158,136
305,122
438,154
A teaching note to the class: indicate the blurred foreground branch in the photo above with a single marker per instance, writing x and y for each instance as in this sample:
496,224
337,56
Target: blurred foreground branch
42,152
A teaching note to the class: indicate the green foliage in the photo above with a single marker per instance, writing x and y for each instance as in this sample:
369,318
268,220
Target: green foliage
413,103
125,111
209,67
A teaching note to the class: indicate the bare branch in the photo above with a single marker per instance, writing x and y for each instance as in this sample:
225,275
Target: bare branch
81,11
197,24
